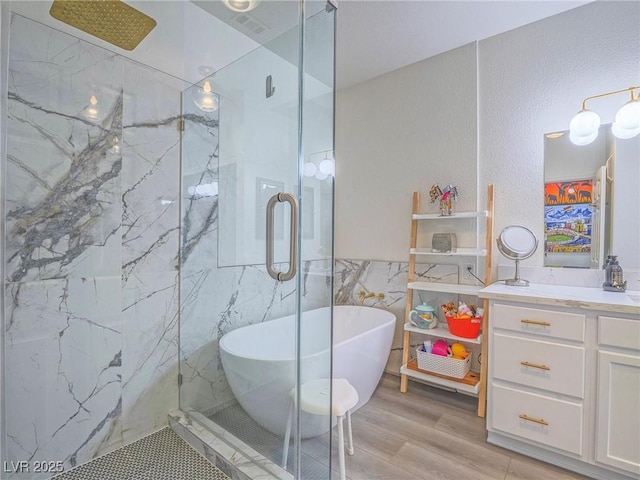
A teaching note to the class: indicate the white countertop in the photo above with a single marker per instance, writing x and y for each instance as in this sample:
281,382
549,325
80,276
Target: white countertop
565,296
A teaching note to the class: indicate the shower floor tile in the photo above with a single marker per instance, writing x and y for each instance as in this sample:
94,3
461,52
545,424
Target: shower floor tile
160,456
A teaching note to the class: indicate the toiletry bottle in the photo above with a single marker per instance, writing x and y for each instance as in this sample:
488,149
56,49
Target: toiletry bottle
427,346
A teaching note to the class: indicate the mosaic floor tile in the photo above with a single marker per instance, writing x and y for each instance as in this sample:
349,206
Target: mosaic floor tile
160,456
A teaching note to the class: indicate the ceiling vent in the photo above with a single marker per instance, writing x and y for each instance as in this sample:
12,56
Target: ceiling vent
249,23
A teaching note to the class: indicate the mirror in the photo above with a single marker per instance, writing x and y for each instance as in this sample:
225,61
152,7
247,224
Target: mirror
591,200
517,243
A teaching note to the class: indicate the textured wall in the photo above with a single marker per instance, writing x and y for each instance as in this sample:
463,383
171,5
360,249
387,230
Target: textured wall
397,133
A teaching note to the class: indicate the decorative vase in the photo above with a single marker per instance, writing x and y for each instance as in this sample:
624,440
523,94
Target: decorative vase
446,208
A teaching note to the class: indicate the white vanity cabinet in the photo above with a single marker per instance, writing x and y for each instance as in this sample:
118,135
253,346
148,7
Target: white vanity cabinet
618,394
564,377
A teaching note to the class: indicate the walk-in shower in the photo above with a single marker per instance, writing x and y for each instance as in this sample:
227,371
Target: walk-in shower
134,204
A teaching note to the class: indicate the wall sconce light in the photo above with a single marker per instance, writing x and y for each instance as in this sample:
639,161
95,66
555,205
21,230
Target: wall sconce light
241,6
206,100
583,128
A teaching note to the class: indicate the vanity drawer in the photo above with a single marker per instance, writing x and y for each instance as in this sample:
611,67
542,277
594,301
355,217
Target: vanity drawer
539,363
619,332
549,323
552,422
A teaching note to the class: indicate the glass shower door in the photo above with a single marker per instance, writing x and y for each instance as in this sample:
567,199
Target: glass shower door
249,341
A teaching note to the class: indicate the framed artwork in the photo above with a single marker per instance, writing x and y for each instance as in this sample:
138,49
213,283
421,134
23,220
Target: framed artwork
568,193
567,216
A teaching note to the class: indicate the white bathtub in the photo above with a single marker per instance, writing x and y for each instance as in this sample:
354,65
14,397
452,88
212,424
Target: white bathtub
259,360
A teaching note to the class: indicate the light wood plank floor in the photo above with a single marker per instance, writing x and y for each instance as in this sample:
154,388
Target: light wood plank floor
432,434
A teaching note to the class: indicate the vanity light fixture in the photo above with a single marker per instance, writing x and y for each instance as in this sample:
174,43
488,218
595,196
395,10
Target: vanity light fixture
583,128
241,6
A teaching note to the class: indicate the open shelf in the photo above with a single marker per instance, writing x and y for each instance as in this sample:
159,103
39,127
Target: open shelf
441,331
460,251
445,287
437,216
474,383
470,384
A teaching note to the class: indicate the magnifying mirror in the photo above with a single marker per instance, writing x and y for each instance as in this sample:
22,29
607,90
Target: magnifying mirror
517,243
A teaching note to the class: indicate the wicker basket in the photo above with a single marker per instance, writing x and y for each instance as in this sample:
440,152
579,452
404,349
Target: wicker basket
451,367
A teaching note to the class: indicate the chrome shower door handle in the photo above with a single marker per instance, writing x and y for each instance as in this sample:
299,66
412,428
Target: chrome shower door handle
293,238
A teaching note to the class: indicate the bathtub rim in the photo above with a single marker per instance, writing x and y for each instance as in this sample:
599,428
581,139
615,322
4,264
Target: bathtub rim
392,319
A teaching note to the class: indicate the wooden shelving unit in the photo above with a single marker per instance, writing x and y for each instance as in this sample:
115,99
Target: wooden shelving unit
474,383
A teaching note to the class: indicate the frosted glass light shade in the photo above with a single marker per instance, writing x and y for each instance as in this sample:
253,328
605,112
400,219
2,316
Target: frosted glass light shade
241,5
585,140
309,169
628,117
584,124
624,133
327,167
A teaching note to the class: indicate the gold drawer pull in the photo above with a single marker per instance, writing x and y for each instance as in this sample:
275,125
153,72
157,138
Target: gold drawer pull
536,322
535,365
534,420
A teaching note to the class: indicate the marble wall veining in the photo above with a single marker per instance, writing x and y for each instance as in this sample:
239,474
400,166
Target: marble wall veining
91,248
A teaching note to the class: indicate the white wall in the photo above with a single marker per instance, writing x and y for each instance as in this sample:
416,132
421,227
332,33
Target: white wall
397,133
404,130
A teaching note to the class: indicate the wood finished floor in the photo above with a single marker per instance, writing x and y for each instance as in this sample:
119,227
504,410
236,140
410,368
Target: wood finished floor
432,434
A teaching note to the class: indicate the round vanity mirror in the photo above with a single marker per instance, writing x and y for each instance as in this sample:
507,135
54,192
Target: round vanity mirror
517,243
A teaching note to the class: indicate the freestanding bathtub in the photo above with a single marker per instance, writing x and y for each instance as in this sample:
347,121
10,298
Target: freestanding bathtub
259,360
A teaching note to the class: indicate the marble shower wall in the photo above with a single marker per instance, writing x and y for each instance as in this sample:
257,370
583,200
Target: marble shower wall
390,278
91,248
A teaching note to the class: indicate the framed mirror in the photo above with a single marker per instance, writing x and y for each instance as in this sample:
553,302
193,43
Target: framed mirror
591,200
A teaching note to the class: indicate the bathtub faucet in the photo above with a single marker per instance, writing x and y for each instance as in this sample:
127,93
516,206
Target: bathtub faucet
362,295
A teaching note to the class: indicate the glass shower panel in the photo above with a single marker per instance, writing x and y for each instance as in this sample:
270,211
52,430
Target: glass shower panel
245,346
315,287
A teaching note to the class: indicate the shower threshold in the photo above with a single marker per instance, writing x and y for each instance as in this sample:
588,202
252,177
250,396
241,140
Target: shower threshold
224,450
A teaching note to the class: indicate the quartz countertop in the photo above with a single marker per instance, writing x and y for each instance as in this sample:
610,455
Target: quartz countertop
565,296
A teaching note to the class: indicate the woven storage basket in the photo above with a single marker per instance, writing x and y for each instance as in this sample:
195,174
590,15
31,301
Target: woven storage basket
451,367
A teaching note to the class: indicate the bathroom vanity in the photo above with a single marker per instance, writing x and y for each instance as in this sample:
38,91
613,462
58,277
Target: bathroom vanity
564,376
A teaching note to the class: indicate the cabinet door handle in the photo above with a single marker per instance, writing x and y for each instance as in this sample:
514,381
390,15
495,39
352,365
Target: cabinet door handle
535,322
539,421
535,365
